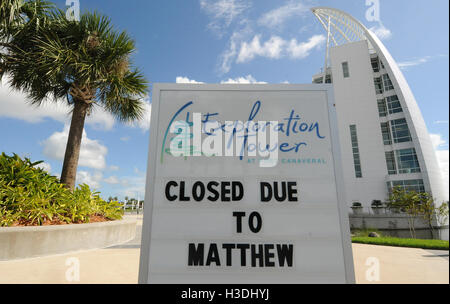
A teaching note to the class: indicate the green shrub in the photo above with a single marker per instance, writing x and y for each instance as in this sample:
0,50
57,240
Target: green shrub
31,196
401,242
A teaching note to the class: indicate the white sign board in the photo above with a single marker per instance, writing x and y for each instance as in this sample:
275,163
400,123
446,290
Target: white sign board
216,218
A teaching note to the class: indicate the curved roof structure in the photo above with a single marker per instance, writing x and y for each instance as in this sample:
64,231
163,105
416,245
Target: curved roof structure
342,29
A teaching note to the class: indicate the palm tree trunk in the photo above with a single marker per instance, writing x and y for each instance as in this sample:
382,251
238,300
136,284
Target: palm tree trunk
69,171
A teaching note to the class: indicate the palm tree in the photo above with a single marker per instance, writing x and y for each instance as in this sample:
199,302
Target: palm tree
85,63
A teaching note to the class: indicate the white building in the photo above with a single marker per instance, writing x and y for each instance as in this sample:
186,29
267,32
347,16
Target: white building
383,136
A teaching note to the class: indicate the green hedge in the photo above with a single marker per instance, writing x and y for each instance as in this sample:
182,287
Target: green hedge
400,242
31,196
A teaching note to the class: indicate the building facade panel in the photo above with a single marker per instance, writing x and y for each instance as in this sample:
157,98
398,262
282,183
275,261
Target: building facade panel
373,96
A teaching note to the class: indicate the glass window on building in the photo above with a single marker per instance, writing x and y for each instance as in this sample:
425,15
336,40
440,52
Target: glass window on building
400,131
320,79
390,162
385,130
393,104
355,147
378,85
382,109
375,64
345,69
409,185
387,83
407,161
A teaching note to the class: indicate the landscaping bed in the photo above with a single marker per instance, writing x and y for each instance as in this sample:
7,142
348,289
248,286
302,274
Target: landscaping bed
402,242
30,196
57,221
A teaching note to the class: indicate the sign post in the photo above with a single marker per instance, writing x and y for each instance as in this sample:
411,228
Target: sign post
244,185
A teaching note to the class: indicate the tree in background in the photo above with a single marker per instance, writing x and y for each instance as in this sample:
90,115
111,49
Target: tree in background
442,213
418,205
407,201
84,63
427,210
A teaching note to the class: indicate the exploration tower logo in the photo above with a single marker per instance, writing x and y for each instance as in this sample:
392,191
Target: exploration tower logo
196,134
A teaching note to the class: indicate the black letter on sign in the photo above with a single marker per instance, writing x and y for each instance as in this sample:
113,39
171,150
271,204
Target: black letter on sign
183,198
213,255
225,191
243,248
253,228
257,255
195,187
282,197
268,255
169,197
196,255
229,248
213,191
292,191
239,216
264,197
238,191
285,253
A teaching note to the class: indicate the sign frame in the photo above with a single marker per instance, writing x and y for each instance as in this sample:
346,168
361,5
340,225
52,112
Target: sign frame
153,151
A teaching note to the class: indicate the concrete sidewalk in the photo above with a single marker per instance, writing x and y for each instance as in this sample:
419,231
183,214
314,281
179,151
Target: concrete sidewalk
120,264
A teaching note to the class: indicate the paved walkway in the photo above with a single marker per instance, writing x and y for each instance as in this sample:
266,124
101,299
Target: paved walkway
120,264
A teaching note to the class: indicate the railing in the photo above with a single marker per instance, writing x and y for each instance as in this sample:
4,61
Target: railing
132,207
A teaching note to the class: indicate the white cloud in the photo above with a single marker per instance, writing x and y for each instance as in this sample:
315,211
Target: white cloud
92,180
229,55
131,186
444,122
242,80
442,157
15,104
114,168
45,166
272,48
113,180
406,64
381,32
303,49
92,153
277,47
278,16
223,12
438,141
181,79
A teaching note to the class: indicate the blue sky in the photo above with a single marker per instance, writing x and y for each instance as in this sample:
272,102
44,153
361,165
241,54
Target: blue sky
216,41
